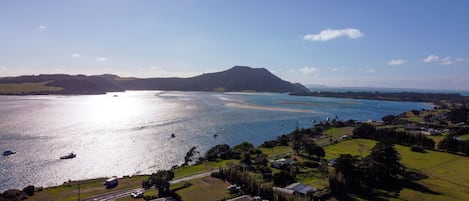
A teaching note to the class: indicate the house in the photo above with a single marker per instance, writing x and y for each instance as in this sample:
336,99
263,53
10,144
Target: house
233,188
111,182
296,188
332,162
281,163
434,131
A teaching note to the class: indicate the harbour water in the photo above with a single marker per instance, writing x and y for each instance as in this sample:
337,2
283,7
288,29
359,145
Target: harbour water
129,133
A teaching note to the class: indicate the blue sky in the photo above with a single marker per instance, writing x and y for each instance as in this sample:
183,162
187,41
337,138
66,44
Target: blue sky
406,44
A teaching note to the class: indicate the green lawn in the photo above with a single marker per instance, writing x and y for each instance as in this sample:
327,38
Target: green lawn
207,188
465,137
448,173
335,133
26,87
200,168
276,150
88,189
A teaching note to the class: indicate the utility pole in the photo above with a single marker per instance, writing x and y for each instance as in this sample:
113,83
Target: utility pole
78,190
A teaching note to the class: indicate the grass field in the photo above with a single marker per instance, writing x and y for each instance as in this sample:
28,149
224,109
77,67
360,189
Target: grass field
27,87
277,150
89,188
448,174
207,188
335,133
200,168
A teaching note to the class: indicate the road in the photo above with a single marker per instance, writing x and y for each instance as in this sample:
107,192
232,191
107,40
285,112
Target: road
205,174
120,194
113,195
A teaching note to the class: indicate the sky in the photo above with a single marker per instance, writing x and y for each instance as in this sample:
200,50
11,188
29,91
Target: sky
398,44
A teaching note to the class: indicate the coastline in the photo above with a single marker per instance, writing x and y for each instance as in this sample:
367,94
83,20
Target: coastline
258,107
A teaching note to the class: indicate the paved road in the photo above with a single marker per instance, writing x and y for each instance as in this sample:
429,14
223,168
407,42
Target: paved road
113,195
205,174
120,194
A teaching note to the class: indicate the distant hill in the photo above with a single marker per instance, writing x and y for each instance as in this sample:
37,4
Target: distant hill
63,84
238,78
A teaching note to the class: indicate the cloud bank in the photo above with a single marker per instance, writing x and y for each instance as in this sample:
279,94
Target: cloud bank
329,34
396,62
439,60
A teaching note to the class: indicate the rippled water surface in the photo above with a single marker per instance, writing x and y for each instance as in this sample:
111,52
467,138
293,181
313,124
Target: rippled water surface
129,133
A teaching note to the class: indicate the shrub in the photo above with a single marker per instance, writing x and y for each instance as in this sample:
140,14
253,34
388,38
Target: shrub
29,190
311,164
417,148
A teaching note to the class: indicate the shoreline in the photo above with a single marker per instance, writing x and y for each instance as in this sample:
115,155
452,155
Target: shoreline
266,108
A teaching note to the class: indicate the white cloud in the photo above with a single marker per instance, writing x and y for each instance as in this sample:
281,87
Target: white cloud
431,59
443,61
308,70
446,61
102,59
41,28
460,60
76,55
396,62
371,70
329,34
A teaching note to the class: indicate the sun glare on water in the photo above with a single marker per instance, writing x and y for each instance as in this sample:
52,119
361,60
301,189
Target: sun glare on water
111,108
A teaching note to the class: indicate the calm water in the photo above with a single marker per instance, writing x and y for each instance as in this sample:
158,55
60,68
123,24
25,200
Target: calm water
129,133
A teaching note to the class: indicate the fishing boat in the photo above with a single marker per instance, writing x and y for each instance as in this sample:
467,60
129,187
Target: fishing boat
69,156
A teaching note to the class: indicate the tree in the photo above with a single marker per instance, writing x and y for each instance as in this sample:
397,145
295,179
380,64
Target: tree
385,161
364,131
297,141
243,147
161,180
222,151
319,151
312,148
282,178
190,155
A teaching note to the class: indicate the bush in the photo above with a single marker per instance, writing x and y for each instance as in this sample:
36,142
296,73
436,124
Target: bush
269,144
417,148
218,175
311,164
29,190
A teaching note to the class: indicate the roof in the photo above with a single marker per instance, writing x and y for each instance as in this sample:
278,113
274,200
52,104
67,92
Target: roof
300,188
242,198
165,199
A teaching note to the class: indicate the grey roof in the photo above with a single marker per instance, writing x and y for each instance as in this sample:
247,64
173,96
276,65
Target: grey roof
300,188
165,199
242,198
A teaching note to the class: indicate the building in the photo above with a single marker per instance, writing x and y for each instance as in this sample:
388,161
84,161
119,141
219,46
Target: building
281,163
296,188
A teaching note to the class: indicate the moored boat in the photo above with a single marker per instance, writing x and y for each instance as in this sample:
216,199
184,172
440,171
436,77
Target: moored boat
69,156
8,152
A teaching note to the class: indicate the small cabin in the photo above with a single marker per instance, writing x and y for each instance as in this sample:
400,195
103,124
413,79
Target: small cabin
111,182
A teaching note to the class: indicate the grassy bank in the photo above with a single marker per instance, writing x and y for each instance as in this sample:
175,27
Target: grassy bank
447,173
27,87
88,188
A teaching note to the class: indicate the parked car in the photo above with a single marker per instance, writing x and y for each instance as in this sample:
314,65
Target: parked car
137,194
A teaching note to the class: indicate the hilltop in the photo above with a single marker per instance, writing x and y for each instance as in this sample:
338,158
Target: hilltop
238,78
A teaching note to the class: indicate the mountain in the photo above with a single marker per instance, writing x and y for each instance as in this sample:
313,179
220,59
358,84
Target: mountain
238,78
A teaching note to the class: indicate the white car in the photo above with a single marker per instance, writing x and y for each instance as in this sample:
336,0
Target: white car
137,194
